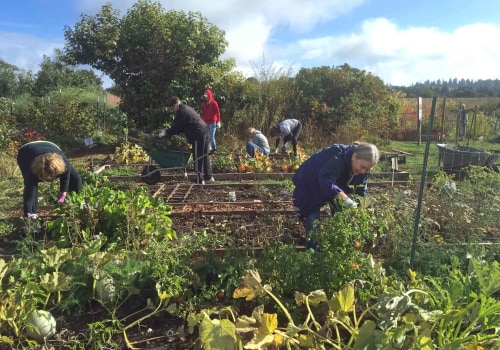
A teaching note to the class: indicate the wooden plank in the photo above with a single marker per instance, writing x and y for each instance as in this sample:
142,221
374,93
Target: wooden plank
158,191
403,152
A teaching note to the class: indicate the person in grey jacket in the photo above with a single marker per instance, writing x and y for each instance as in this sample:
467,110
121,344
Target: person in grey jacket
289,130
331,176
258,141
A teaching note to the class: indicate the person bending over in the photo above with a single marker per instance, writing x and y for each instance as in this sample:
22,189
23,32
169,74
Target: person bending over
43,161
329,176
189,123
289,130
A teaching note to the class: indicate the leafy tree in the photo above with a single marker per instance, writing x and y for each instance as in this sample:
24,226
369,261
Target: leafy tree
13,81
56,74
335,97
150,55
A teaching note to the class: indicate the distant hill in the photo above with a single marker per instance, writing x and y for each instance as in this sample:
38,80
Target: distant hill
464,88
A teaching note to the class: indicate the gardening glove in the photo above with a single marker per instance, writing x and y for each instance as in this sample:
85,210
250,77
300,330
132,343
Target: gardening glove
162,133
61,199
218,125
350,203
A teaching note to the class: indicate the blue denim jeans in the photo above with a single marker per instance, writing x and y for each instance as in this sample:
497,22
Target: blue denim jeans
251,149
310,222
212,127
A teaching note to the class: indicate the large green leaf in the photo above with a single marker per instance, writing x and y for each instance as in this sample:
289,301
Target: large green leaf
343,300
58,281
218,334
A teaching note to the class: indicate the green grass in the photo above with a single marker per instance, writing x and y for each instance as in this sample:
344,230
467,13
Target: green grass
415,159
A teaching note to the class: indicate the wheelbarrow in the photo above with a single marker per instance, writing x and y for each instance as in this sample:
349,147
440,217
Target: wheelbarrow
167,160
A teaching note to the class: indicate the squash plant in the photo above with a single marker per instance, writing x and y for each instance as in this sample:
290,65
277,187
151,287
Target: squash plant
415,315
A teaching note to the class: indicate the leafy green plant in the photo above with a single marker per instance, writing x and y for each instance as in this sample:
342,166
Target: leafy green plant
223,163
458,314
129,218
343,238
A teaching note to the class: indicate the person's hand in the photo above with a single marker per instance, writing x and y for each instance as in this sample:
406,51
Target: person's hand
350,203
218,125
162,133
61,199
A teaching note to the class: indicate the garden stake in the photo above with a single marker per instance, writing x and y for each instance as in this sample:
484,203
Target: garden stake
422,183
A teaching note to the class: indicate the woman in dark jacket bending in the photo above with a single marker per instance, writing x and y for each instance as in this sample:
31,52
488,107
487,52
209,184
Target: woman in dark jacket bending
43,161
332,174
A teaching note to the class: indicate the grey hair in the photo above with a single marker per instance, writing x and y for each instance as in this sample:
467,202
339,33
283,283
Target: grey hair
173,101
367,151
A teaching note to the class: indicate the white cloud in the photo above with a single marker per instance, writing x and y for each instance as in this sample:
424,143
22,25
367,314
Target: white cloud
282,33
26,51
405,56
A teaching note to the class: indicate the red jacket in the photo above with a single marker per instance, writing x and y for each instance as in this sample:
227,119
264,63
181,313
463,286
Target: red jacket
210,112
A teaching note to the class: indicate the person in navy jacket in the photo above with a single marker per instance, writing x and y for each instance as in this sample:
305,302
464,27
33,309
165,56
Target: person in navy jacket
43,161
188,122
332,174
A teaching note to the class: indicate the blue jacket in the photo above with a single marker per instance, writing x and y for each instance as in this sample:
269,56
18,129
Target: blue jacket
321,177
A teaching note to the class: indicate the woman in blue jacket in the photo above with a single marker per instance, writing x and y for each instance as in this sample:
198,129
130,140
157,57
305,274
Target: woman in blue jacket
332,175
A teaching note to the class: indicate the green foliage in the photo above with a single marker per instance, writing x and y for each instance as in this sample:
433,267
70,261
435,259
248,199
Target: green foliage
8,129
178,46
454,312
223,164
56,74
342,238
60,113
127,218
332,97
13,81
152,142
173,267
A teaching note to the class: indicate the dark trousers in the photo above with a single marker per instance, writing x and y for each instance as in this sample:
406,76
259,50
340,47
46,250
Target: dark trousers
293,136
202,164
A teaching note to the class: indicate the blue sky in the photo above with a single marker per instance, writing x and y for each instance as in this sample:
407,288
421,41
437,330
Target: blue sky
402,42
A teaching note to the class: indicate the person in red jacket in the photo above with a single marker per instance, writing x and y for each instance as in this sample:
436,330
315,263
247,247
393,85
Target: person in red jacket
210,114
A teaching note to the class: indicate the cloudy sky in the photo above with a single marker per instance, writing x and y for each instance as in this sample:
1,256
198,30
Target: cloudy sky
401,41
